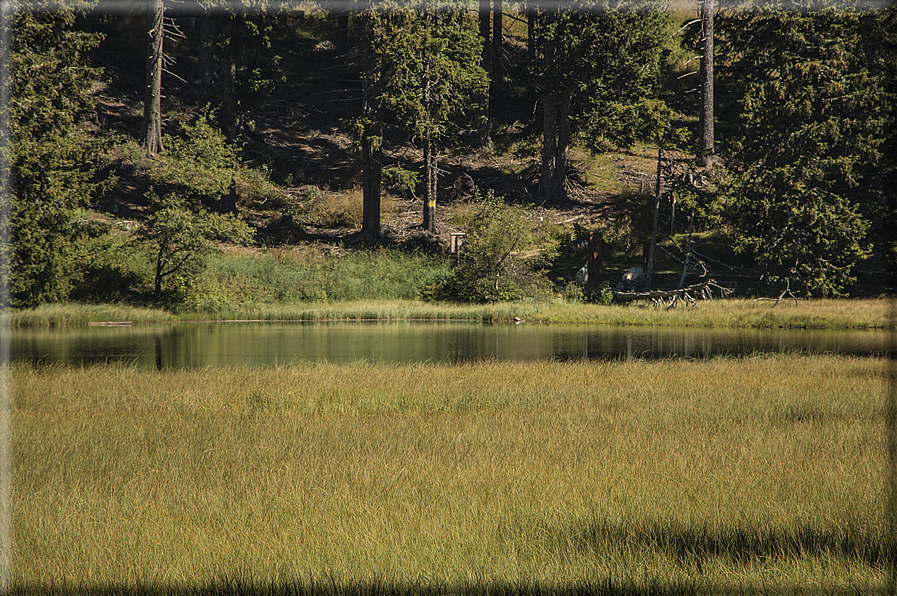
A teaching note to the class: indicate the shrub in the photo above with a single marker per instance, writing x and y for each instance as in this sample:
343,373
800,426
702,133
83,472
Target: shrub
490,266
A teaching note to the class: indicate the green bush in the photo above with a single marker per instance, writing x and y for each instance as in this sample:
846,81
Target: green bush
179,236
113,266
490,266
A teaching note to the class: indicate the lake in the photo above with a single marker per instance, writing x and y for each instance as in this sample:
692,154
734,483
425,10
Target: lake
254,344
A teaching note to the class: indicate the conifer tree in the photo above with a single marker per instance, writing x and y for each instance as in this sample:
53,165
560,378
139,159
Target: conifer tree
52,158
599,73
428,76
812,118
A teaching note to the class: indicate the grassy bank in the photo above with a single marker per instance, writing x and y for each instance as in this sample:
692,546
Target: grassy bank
833,314
762,474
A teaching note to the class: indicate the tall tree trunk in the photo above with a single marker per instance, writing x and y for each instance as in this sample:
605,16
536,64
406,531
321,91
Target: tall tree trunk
372,161
485,138
430,176
549,146
152,101
342,32
497,38
559,177
706,115
160,265
549,130
372,166
649,269
206,62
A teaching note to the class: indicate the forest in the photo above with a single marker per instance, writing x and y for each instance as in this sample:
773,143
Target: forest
188,153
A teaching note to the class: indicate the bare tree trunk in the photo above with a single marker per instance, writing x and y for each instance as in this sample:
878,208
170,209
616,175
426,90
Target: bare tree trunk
706,115
549,130
371,165
691,227
152,101
206,62
430,177
549,146
160,265
596,244
371,153
559,177
649,270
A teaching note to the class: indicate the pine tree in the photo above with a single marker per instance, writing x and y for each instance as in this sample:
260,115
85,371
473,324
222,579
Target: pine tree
599,73
428,75
53,158
812,118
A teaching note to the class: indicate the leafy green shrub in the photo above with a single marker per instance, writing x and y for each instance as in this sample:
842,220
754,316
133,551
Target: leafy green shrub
574,293
179,236
490,266
602,295
113,266
201,165
199,162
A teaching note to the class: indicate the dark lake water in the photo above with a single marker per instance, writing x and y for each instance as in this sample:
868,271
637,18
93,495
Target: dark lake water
198,345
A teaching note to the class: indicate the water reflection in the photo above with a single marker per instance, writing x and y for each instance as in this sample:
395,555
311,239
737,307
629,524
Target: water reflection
198,345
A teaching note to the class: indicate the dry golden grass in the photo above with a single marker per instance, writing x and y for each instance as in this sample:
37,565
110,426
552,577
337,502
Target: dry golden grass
753,473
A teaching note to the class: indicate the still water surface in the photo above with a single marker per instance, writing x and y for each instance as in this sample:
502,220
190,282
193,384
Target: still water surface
199,345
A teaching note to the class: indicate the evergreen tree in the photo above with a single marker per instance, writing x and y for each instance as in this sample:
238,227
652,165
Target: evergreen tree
599,73
807,146
251,68
427,76
53,157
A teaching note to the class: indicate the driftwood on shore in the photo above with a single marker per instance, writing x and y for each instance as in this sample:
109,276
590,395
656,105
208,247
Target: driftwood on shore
689,294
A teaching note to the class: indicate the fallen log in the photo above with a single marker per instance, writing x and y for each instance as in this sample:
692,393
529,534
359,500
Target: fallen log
688,294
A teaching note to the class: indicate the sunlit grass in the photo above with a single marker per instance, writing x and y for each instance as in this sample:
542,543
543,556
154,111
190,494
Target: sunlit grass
756,473
822,313
62,315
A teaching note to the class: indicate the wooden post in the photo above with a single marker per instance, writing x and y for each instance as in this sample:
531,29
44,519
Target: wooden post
457,239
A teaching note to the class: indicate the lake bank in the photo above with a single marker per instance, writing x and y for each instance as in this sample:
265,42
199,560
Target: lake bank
789,314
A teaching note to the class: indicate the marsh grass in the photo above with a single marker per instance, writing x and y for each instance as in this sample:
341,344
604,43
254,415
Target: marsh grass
65,315
816,314
642,477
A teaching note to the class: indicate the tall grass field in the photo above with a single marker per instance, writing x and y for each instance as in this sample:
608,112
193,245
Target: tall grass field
753,475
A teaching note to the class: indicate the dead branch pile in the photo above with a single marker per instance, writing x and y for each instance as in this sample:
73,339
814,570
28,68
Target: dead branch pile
688,295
